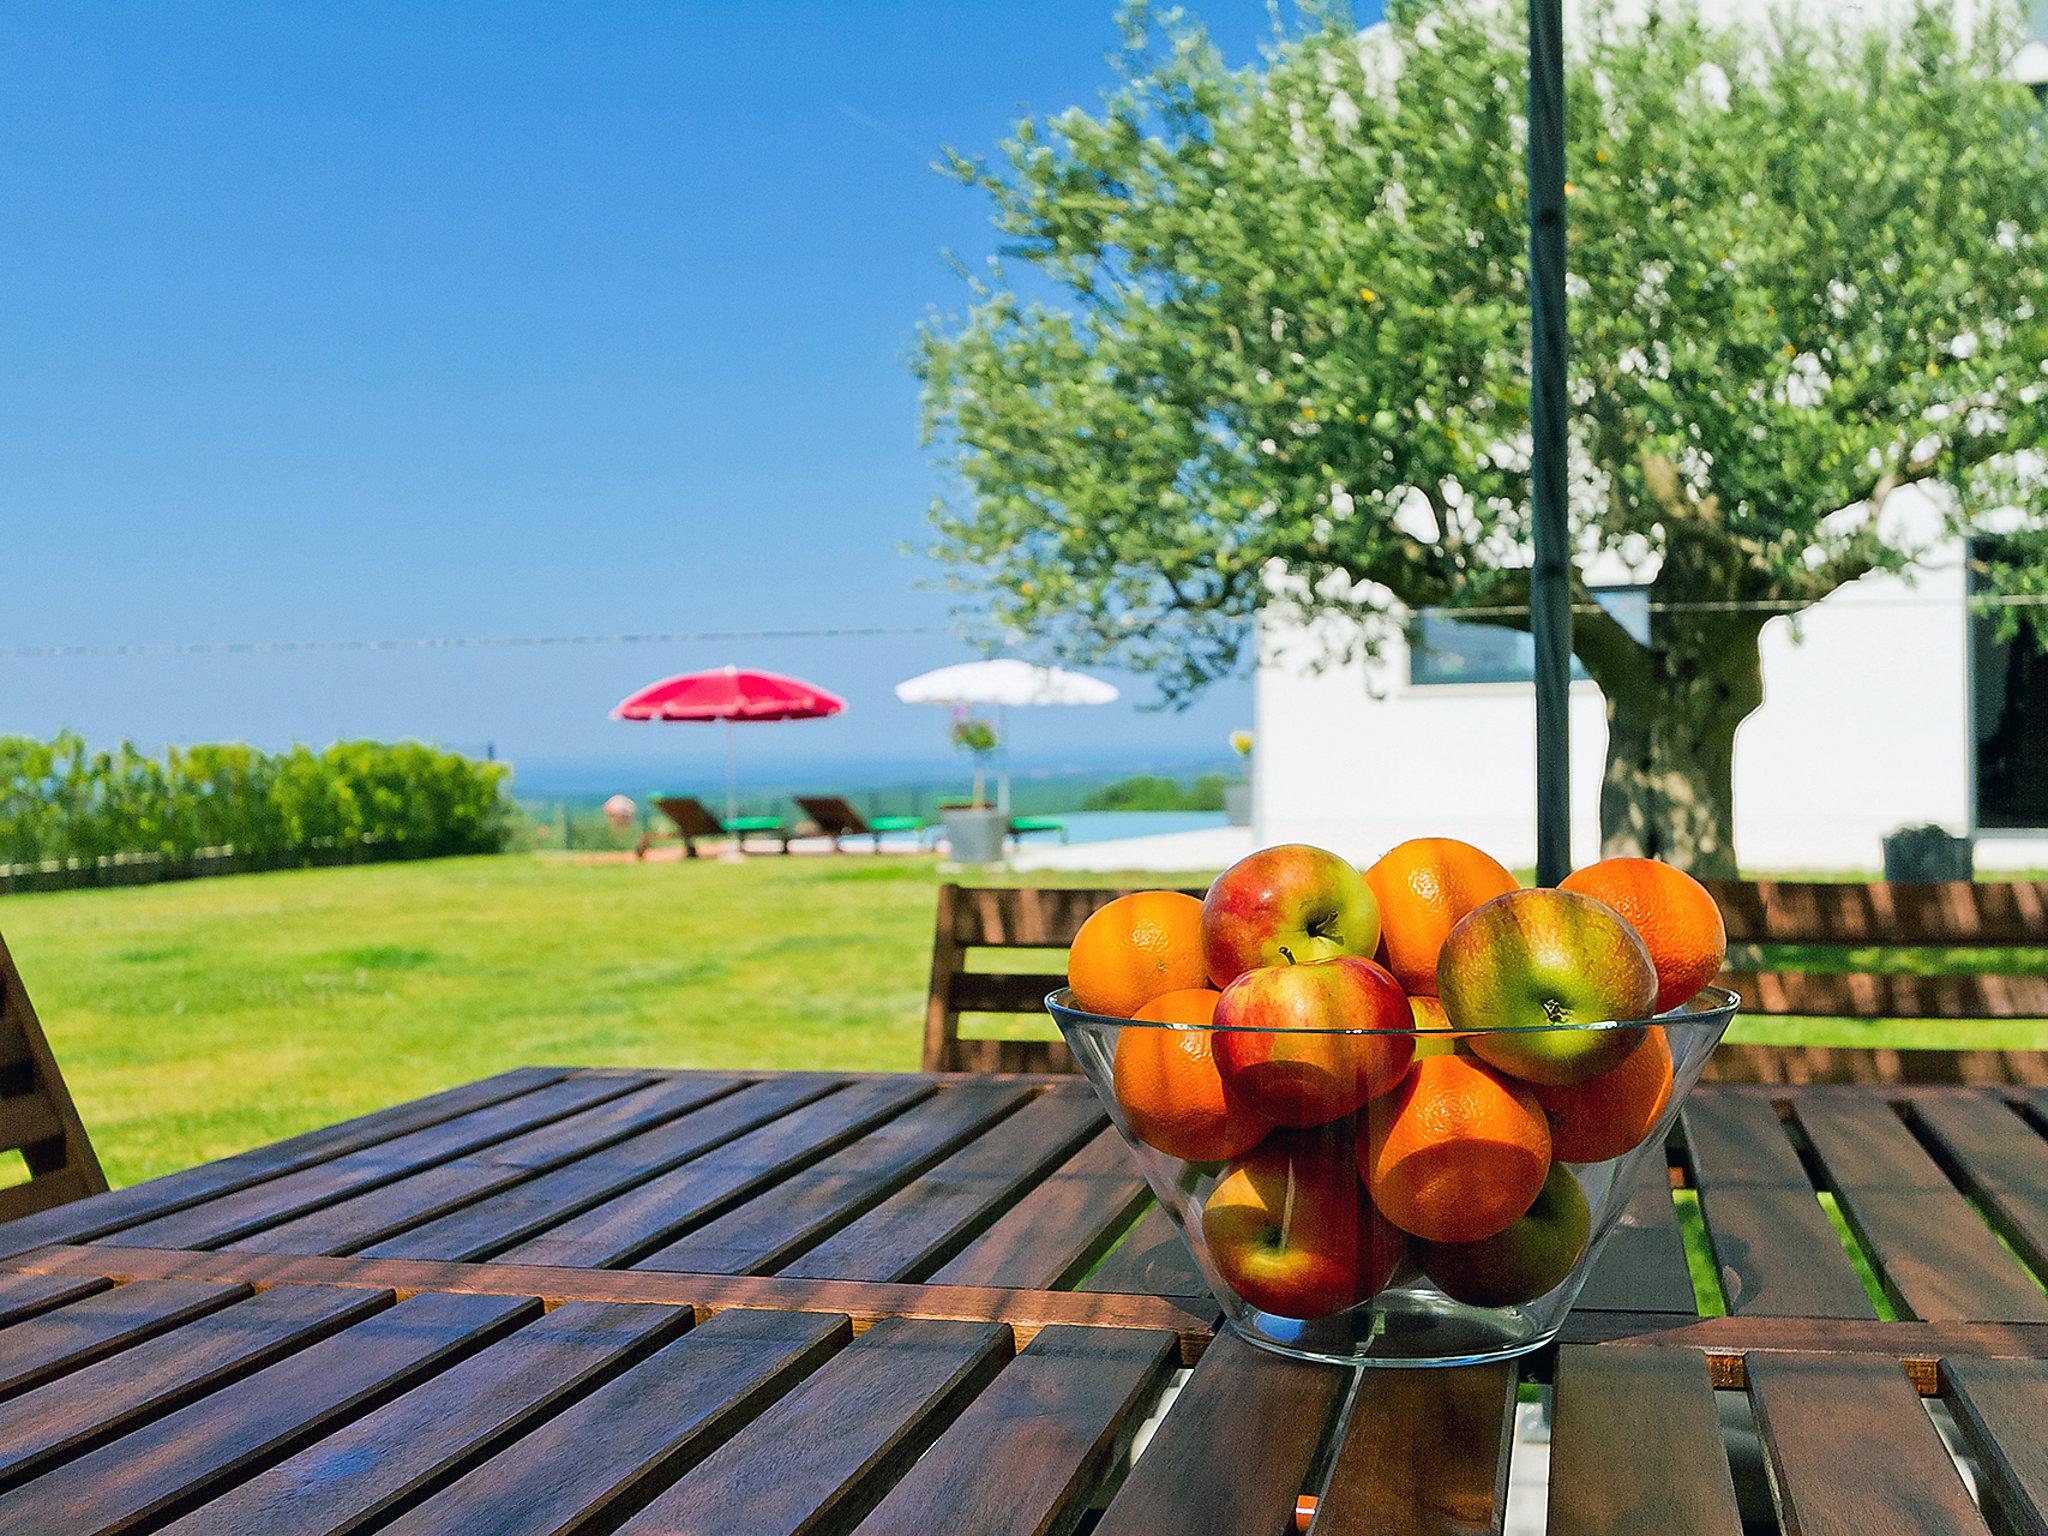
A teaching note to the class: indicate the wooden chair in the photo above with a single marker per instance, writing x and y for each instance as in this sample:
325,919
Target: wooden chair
830,816
692,822
1843,918
1000,917
1770,912
37,1118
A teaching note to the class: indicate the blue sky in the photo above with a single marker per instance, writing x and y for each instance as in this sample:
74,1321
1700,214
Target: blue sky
415,321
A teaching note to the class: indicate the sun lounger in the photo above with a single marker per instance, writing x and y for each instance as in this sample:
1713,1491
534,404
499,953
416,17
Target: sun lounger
835,818
692,821
1021,825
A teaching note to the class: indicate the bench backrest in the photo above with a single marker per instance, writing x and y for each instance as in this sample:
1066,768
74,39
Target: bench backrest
1776,912
37,1118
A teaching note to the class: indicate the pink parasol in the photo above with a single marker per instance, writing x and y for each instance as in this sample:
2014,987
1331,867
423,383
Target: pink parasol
728,694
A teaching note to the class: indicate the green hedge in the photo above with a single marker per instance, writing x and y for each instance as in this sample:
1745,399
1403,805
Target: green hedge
62,801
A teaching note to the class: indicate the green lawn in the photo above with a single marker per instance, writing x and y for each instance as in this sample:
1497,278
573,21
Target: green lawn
193,1020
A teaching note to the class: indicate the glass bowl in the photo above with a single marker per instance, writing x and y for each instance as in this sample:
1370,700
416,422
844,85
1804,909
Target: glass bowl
1395,1197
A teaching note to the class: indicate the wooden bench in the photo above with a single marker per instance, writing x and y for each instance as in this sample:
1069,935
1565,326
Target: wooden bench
1845,917
1836,916
37,1118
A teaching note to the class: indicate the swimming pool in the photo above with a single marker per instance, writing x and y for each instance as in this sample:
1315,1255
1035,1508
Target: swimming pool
1110,826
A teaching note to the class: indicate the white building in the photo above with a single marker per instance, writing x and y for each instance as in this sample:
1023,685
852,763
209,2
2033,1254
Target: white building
1886,705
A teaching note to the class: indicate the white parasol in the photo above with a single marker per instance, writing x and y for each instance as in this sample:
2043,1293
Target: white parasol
1000,684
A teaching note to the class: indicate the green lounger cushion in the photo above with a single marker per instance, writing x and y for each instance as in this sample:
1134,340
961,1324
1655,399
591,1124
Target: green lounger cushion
897,823
1037,824
754,824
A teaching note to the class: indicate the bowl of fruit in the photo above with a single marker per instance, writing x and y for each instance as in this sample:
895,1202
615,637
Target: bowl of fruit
1395,1114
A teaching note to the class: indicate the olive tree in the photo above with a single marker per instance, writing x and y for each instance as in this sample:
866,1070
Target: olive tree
1258,338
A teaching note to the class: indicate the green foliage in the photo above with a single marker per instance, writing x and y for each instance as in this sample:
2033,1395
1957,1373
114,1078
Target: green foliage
1290,350
974,736
62,800
1150,792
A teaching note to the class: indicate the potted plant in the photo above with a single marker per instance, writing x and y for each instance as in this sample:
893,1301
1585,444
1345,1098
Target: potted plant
975,831
1237,798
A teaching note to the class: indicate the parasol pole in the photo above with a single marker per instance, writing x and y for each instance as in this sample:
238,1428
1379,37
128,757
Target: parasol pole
1550,578
732,799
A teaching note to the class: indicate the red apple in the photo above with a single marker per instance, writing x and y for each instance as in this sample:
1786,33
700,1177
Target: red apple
1533,960
1278,1050
1286,906
1290,1229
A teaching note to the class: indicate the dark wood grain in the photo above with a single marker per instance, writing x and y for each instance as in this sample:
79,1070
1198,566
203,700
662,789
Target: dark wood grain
37,1117
213,1222
1635,1446
2002,1407
122,1207
101,1324
1642,1268
1152,1260
929,1216
1935,1252
1777,1253
1058,1230
1853,1453
1235,1452
496,1222
1050,1421
1998,1157
1888,995
1424,1453
112,1396
865,1301
362,1219
782,1222
184,1455
636,1432
817,1458
371,1469
24,1296
1943,913
652,1210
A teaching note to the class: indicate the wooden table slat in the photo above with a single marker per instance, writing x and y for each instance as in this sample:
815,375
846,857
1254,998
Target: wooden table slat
387,1459
1049,1421
362,1219
632,1435
495,1222
1061,1227
1153,1260
2002,1408
1233,1455
183,1455
2001,1159
1853,1453
816,1458
1635,1446
644,1214
1777,1253
929,1215
212,1222
1933,1249
1642,1268
24,1296
112,1396
104,1213
1424,1453
779,1223
102,1323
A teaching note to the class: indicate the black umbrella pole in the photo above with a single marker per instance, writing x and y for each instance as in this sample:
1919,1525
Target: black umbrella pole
1550,580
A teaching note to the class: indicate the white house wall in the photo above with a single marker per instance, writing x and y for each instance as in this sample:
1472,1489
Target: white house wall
1864,728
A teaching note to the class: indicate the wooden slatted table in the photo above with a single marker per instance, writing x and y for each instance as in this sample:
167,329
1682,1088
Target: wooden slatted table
563,1300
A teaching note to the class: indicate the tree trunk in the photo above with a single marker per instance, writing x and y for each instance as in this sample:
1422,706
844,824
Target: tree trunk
1669,788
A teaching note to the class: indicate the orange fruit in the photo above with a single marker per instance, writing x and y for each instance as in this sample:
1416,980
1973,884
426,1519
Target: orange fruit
1136,948
1679,923
1456,1153
1171,1092
1606,1115
1423,887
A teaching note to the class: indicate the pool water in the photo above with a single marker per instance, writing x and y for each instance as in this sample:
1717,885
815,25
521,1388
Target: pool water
1110,826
